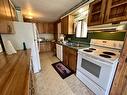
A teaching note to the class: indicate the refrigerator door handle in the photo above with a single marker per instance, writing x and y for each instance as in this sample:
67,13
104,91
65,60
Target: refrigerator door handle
38,39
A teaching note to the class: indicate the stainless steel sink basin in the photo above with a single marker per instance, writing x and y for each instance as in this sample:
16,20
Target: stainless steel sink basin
75,45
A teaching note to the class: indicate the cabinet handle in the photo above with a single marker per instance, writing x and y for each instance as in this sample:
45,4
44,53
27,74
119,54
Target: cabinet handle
9,28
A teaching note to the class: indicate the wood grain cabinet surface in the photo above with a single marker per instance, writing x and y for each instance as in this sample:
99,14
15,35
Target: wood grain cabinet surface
116,11
67,25
96,14
107,11
45,47
7,15
70,58
45,28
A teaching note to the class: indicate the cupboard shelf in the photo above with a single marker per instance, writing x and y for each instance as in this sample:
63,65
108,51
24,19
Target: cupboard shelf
97,12
117,5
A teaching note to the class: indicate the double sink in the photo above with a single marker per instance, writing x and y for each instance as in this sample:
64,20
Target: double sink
76,45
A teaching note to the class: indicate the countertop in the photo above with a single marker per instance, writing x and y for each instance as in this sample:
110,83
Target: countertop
14,73
75,47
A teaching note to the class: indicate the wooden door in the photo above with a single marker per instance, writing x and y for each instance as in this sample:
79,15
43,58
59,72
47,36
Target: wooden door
72,59
116,11
96,14
120,82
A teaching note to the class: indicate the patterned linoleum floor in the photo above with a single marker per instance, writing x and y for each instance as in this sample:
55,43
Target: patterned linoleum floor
48,81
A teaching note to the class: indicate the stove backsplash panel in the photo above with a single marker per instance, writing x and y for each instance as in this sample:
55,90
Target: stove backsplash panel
115,36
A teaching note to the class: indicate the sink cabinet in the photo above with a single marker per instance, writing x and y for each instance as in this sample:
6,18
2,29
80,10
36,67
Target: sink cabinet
70,58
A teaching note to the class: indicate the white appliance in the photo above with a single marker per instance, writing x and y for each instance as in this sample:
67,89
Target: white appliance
59,51
1,50
25,32
96,65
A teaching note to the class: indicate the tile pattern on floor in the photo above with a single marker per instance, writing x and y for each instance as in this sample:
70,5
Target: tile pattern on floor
48,81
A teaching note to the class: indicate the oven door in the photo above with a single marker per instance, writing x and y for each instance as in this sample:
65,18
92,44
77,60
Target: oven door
96,70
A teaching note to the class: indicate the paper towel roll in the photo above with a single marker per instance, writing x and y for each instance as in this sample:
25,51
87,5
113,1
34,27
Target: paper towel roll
9,48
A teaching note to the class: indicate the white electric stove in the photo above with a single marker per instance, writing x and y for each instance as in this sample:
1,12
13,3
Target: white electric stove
96,65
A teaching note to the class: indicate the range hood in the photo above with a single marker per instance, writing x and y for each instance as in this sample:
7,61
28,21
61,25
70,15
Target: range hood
109,27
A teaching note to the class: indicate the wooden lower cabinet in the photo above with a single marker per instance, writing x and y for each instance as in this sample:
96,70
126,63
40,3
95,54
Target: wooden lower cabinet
70,58
119,86
45,47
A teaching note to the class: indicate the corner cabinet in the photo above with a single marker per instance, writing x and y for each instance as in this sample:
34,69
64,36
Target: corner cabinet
67,25
116,11
70,58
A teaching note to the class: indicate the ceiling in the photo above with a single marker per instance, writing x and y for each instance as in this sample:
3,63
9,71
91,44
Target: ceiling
45,10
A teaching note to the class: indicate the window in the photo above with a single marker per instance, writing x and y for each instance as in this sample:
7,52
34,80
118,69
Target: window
81,28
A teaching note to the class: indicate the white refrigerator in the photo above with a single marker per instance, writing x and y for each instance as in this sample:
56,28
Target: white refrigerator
28,33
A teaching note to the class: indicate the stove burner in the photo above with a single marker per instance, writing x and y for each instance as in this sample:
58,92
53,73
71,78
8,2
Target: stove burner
109,53
106,56
92,49
87,50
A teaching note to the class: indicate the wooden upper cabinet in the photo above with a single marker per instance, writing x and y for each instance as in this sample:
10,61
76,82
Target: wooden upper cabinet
116,11
6,26
13,12
51,28
7,10
44,28
67,25
96,14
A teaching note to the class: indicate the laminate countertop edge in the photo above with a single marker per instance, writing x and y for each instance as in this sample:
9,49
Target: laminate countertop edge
14,73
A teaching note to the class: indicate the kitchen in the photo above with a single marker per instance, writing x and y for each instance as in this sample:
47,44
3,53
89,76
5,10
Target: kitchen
68,48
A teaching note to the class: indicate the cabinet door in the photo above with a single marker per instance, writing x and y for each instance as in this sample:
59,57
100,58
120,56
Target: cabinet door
116,11
65,56
72,59
120,82
42,48
40,27
13,12
7,10
64,25
96,14
48,46
45,27
50,28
